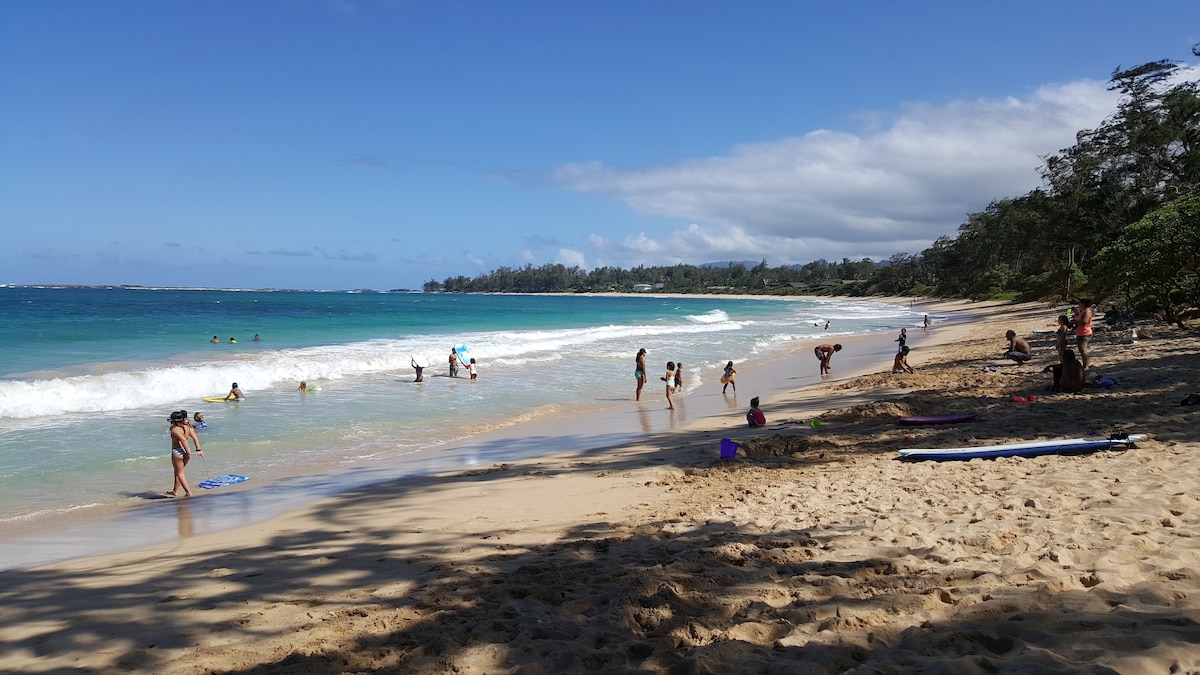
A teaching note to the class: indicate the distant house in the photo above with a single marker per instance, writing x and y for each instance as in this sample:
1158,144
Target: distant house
642,288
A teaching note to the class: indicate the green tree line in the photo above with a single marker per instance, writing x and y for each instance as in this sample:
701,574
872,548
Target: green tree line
1117,219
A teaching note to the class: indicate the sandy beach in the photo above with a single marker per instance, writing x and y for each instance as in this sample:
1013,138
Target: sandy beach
814,551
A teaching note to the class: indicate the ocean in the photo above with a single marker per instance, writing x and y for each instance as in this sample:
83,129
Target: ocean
88,377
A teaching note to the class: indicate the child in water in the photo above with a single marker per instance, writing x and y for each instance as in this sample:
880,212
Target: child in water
670,380
472,369
200,424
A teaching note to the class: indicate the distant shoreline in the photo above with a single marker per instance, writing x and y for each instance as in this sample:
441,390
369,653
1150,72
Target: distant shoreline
890,299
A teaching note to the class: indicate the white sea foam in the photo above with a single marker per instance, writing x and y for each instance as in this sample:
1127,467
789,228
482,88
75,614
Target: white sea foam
117,387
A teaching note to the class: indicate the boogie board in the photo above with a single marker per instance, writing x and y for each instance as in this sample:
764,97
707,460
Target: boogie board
227,479
221,399
464,356
1031,449
727,380
936,419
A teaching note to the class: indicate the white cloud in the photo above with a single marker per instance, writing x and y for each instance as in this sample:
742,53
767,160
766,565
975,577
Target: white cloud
835,194
570,258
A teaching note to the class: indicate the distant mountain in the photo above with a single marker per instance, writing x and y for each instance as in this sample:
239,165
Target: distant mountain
726,263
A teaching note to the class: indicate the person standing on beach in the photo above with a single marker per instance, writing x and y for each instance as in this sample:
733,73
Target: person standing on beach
925,325
191,430
824,354
639,372
903,339
179,453
1018,348
727,378
453,363
670,380
472,369
1060,336
678,377
1083,330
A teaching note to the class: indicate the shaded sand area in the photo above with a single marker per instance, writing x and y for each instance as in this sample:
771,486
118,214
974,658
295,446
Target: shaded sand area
815,550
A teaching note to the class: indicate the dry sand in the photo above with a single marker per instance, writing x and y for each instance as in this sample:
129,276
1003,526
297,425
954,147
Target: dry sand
818,553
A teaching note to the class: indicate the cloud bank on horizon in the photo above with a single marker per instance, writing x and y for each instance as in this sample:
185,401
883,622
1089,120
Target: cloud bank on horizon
836,194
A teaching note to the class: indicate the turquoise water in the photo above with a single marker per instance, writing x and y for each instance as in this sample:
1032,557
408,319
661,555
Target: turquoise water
88,376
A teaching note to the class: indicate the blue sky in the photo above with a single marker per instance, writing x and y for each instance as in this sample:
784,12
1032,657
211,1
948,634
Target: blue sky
383,143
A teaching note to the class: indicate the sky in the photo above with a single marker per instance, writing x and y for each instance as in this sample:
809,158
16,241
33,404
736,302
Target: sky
380,144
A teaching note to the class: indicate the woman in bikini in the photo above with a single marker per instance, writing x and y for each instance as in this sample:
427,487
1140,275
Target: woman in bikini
639,372
179,453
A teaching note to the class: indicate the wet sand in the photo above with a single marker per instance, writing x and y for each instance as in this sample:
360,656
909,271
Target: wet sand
815,550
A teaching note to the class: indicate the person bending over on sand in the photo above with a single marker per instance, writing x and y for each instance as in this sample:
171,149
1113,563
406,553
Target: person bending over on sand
824,354
235,393
420,370
1083,330
670,380
453,363
754,416
900,363
727,378
1018,349
639,372
179,453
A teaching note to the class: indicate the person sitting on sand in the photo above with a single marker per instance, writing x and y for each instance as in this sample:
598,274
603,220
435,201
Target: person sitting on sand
754,416
1018,349
900,363
1069,375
